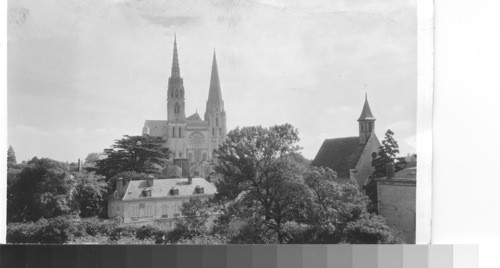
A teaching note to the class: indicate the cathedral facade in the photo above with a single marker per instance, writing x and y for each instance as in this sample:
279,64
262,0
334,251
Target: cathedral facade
191,137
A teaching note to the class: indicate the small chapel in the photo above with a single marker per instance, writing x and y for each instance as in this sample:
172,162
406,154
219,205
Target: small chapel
191,137
351,157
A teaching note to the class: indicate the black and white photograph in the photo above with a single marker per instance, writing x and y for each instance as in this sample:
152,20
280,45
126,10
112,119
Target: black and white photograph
213,122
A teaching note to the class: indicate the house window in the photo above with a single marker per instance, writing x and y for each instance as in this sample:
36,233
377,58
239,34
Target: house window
199,189
174,191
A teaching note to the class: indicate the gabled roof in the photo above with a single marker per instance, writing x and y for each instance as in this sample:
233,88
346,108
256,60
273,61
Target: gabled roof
366,114
161,188
340,154
157,127
194,117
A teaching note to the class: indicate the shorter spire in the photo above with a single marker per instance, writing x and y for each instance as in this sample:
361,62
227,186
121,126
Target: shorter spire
366,114
215,95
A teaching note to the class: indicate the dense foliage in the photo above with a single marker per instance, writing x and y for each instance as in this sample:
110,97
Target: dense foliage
280,200
267,193
143,154
46,188
387,154
11,156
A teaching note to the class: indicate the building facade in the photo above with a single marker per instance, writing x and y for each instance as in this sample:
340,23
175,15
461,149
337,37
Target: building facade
351,157
395,199
191,137
156,202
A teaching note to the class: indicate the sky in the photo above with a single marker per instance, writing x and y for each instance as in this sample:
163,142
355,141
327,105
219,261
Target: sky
82,74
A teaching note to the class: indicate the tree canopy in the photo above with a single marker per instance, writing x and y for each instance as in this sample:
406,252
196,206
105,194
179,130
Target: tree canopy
387,154
143,154
281,199
11,155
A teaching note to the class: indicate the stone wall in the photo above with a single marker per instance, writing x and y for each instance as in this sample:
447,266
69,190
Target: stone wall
397,203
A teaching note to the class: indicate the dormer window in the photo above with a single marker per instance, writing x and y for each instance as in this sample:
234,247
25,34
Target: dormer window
199,189
174,191
146,193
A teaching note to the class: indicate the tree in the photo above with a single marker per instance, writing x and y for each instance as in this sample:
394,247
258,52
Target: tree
143,154
11,156
92,159
260,177
196,213
90,192
42,188
387,154
337,213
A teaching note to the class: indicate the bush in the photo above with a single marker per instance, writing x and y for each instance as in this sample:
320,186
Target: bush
73,230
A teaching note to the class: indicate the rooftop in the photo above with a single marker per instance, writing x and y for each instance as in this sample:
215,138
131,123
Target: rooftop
161,188
340,154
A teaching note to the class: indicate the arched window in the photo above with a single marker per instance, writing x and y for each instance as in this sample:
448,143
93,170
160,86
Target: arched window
180,132
173,132
176,108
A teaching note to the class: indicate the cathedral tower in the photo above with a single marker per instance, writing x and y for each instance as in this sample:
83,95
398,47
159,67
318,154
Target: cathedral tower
215,114
175,99
366,122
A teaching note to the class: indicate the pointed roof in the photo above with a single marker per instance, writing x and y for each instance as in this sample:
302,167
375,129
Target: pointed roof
175,59
340,154
214,94
194,117
366,114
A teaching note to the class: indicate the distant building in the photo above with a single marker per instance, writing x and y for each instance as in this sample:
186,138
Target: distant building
156,202
394,198
191,137
351,157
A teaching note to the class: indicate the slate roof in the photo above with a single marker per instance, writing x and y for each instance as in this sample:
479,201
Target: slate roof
340,154
161,188
157,127
407,173
194,117
366,114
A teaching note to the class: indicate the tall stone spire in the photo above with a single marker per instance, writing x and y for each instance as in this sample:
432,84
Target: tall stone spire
214,94
175,60
175,99
366,122
215,115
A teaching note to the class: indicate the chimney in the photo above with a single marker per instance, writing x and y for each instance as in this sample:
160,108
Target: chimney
389,171
119,186
150,181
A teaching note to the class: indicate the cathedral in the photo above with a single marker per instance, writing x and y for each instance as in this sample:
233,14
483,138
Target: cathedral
191,137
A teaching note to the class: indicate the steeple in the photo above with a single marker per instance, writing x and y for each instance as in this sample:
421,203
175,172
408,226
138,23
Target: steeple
175,99
366,122
366,114
215,115
214,94
175,59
